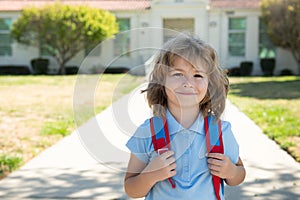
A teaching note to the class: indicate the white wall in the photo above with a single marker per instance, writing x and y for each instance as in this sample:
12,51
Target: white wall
285,60
20,54
189,9
252,38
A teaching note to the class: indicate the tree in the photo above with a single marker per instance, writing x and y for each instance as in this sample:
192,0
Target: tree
281,18
63,30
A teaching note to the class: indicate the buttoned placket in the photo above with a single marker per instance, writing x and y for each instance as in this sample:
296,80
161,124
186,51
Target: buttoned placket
186,156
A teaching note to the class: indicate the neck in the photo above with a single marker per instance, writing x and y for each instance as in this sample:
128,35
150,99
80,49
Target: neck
186,117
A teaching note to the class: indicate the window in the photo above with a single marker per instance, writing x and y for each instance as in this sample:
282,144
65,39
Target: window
266,47
5,39
122,40
237,36
173,26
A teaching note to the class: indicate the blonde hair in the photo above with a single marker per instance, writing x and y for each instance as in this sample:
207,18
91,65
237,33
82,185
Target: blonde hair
197,53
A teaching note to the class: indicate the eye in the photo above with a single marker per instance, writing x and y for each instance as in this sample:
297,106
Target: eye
198,76
177,74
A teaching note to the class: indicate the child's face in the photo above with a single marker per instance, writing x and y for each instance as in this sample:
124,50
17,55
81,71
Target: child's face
185,85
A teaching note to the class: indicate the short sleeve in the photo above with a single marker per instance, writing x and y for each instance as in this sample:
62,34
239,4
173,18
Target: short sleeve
140,144
231,147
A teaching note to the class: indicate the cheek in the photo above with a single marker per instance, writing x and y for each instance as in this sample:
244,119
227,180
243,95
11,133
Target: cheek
171,83
202,89
203,85
170,91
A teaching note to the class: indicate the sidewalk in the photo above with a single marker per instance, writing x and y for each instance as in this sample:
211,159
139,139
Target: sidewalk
90,163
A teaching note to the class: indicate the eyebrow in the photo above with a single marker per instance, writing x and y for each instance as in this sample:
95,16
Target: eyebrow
175,69
178,69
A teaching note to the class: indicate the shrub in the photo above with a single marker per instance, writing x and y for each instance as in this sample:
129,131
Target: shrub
234,71
116,70
40,65
72,70
246,68
14,70
267,66
286,72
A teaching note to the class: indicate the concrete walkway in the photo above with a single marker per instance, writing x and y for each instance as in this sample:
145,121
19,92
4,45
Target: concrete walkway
90,163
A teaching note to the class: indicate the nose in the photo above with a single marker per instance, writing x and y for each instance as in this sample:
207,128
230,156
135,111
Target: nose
187,82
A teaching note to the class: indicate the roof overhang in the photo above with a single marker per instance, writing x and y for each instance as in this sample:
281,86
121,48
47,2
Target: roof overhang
112,5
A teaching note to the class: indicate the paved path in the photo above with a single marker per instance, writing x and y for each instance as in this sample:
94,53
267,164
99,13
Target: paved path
90,163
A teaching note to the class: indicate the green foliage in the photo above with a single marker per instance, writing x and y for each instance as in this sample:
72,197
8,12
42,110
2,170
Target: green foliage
281,18
9,163
62,126
63,30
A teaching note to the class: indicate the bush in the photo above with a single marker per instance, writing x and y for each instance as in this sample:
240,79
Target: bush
267,66
14,70
234,71
116,70
246,68
72,70
40,65
286,72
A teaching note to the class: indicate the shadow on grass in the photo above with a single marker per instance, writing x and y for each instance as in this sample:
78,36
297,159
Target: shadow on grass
267,90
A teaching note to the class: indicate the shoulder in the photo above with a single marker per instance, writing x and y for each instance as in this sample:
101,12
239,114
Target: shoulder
140,143
226,126
231,147
227,130
143,131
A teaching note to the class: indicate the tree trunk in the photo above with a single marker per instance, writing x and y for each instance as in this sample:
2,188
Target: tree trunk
298,63
62,69
297,58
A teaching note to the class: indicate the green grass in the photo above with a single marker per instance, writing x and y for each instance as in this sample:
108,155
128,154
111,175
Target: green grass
8,163
61,127
37,111
273,103
33,80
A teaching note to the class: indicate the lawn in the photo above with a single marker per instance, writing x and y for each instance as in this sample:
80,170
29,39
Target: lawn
37,111
273,103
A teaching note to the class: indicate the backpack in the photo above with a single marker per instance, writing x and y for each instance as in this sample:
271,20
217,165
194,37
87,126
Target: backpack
213,137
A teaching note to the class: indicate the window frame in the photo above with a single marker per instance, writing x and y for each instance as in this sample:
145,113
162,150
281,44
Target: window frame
124,48
10,42
242,31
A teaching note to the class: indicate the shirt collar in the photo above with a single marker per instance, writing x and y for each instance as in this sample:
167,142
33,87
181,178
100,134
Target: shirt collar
175,127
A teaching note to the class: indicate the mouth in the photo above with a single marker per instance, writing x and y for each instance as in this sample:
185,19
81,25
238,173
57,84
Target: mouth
187,93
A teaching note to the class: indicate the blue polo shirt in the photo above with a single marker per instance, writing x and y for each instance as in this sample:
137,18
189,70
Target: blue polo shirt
193,179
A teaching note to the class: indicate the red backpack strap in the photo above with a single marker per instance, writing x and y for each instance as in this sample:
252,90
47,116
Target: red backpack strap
214,144
160,133
160,137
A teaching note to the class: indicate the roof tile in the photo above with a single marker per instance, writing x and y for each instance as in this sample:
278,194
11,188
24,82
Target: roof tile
234,3
113,5
17,5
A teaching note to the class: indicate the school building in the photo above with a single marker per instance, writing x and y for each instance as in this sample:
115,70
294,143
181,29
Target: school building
232,27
